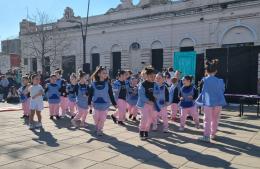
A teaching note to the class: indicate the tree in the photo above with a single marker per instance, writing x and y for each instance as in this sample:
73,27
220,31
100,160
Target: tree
46,43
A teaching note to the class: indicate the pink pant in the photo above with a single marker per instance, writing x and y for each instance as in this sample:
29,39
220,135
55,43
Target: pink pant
148,115
132,109
26,107
164,115
174,108
72,107
192,111
54,109
211,119
122,105
82,114
100,118
63,105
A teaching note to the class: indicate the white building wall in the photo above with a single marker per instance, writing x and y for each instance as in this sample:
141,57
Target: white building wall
172,32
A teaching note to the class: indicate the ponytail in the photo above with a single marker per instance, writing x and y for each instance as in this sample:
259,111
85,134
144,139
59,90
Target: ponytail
81,73
149,70
211,66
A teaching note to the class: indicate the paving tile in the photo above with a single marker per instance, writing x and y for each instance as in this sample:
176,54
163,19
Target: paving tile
104,166
98,155
173,159
75,150
11,148
237,166
49,158
48,167
52,146
27,153
154,165
74,141
247,161
124,161
24,164
76,162
5,159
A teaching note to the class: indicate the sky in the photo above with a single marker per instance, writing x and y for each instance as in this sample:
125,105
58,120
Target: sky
13,11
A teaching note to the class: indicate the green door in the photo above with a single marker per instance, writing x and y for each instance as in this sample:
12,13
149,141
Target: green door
185,62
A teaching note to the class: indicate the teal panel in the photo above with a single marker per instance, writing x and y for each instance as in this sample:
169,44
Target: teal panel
185,62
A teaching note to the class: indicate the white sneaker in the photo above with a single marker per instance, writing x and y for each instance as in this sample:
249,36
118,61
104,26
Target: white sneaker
154,127
213,137
31,126
204,139
38,125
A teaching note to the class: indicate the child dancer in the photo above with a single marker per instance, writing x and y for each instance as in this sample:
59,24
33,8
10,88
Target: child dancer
162,101
53,96
212,99
132,98
25,97
71,90
188,94
82,93
174,98
120,93
101,94
63,95
146,102
36,102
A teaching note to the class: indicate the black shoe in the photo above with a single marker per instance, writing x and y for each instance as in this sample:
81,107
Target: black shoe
114,119
72,117
57,117
190,118
130,116
146,134
51,117
23,117
121,123
134,119
141,134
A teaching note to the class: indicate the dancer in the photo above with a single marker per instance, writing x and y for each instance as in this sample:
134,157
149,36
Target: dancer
25,97
147,94
53,96
188,95
212,99
101,95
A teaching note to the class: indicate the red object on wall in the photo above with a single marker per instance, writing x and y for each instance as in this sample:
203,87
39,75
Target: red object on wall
15,60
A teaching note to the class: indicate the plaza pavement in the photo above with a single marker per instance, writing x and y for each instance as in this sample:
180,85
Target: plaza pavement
58,145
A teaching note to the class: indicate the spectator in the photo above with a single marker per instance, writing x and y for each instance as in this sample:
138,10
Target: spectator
171,72
12,96
4,83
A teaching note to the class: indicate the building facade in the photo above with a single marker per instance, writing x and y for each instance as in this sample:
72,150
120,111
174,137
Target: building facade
12,46
132,36
10,57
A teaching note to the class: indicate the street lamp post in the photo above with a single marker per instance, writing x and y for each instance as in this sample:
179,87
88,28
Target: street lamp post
83,34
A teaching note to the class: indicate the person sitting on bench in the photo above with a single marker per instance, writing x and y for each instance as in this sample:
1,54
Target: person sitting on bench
13,96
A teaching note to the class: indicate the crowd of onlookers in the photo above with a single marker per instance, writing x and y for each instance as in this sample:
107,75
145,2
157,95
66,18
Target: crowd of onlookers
9,83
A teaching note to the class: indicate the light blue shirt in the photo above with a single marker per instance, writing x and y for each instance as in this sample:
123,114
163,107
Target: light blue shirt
212,93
